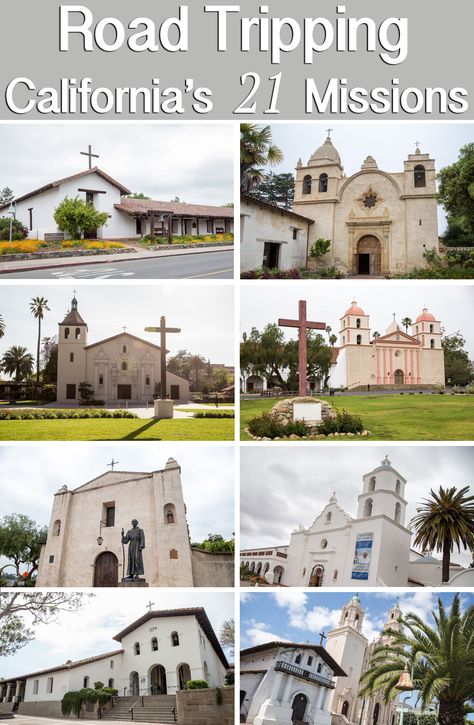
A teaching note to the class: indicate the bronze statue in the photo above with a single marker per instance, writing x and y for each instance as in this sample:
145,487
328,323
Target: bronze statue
135,538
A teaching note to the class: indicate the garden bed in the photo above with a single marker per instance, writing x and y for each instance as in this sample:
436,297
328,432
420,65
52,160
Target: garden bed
37,249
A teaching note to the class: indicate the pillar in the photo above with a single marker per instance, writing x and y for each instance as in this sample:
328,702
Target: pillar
18,690
9,691
152,226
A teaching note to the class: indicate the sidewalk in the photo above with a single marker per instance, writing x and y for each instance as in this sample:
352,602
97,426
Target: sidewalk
26,265
31,720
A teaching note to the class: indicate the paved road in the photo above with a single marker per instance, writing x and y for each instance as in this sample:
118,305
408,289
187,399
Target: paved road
208,265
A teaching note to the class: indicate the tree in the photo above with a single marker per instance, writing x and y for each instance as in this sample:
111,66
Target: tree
180,364
17,361
77,217
376,335
20,541
219,379
138,195
19,612
406,322
6,196
85,390
38,305
276,189
456,189
442,658
197,363
177,200
444,521
264,353
2,326
256,150
49,359
227,635
332,340
319,248
457,366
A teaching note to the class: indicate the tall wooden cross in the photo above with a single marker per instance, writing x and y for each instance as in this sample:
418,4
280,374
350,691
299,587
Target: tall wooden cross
90,155
112,464
162,329
149,605
303,326
323,637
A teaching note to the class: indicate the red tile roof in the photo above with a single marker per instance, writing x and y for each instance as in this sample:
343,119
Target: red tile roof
143,206
323,653
69,665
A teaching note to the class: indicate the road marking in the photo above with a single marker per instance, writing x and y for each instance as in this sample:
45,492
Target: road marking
208,274
95,273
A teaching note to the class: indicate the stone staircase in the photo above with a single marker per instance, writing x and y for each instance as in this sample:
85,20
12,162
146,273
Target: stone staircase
156,708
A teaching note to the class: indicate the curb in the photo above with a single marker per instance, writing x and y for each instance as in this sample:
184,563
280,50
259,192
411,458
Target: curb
33,268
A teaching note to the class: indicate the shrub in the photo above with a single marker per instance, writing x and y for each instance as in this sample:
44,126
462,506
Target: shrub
76,217
17,247
266,426
265,273
18,230
319,248
218,696
214,414
197,685
230,679
343,423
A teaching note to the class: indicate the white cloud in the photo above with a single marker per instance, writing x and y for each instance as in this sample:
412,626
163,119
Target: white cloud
258,633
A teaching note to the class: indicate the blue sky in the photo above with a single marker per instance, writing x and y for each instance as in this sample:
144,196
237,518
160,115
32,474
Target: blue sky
298,616
389,143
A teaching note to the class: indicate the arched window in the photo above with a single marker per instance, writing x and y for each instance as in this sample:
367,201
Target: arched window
57,527
66,333
124,364
307,184
77,333
358,322
343,339
323,183
147,380
368,507
328,517
359,339
372,484
154,644
101,379
432,344
398,486
356,618
169,512
174,639
431,329
398,512
297,659
419,176
111,682
85,682
136,648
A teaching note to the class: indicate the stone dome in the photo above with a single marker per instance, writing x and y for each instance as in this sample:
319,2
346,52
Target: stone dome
354,309
327,153
425,316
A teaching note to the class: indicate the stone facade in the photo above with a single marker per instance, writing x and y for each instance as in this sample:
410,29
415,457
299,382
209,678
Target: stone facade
84,549
199,707
120,368
379,223
394,360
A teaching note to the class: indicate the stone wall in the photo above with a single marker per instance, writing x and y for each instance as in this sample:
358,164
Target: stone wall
53,709
199,707
212,570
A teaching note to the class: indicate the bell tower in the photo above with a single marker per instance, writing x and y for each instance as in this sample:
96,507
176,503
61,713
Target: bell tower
427,329
355,329
383,493
72,341
352,614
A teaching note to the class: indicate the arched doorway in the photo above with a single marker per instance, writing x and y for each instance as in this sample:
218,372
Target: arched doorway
277,574
299,705
345,708
157,680
317,576
399,378
369,256
184,675
375,717
134,683
106,570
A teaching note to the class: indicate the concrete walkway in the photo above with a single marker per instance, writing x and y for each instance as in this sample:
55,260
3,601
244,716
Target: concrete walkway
48,263
30,720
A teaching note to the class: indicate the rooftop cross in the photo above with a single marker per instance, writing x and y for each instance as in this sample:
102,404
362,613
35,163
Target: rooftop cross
162,329
303,326
124,328
90,155
328,130
149,605
323,637
112,464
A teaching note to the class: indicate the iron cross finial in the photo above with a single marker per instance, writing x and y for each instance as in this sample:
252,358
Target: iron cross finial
328,131
90,155
112,464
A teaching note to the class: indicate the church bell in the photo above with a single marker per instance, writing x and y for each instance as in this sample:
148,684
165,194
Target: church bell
404,683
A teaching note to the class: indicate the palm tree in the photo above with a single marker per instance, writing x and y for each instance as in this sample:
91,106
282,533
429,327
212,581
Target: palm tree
17,361
256,151
2,326
332,340
38,305
406,322
376,335
441,658
444,521
328,331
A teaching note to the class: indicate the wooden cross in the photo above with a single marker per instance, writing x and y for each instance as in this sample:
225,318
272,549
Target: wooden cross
149,605
124,328
90,155
112,464
303,326
328,130
162,329
323,637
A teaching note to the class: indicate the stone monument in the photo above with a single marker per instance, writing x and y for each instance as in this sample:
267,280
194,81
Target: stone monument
164,407
135,538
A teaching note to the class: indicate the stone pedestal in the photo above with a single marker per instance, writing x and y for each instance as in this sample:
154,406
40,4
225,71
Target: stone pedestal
133,583
164,409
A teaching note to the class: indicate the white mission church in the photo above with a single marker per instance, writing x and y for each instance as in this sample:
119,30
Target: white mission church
128,218
370,549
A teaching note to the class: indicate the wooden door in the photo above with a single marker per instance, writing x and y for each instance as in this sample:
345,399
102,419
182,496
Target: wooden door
106,570
299,708
124,392
70,391
174,389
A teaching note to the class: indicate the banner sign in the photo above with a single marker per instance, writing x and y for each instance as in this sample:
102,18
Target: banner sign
362,556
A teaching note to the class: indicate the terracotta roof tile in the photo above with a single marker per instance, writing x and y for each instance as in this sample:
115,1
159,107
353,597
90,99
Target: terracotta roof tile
143,206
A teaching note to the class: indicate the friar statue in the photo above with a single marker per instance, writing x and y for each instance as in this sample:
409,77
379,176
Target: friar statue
135,538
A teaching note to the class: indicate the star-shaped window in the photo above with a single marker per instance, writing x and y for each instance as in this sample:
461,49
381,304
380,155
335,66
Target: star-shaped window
370,201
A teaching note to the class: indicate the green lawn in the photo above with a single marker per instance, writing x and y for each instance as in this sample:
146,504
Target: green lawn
118,429
395,417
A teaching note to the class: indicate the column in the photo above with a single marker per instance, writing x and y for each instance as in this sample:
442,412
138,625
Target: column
9,691
18,690
418,378
392,379
377,352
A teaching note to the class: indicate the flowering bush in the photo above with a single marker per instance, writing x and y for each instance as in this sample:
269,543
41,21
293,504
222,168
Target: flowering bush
20,247
103,245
